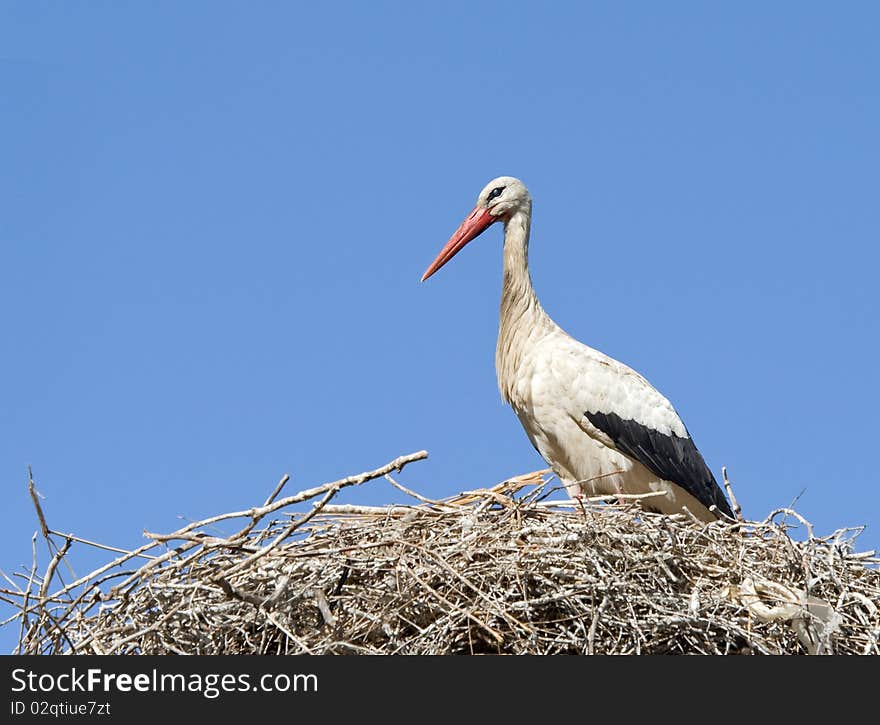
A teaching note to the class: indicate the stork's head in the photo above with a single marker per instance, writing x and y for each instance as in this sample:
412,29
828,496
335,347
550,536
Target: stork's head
499,200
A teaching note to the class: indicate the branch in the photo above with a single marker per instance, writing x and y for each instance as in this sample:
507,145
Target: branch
737,509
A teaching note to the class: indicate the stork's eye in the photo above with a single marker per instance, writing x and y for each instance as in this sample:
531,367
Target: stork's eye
495,193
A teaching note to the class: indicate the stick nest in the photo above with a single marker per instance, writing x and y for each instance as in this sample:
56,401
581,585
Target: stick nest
500,570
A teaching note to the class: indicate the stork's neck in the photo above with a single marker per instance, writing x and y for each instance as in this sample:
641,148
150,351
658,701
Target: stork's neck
523,320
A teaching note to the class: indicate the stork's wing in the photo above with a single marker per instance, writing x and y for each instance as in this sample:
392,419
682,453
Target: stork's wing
670,457
624,410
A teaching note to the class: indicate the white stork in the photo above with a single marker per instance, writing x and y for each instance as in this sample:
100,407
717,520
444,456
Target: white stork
601,426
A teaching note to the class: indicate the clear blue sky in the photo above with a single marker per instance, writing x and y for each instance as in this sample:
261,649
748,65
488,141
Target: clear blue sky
215,217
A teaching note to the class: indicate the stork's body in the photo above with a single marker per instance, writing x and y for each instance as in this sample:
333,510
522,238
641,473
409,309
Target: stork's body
599,424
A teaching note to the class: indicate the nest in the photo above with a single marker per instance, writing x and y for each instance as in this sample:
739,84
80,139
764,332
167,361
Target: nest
499,570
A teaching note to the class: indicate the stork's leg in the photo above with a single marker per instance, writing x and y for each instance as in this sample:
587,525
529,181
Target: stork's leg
580,497
618,489
576,493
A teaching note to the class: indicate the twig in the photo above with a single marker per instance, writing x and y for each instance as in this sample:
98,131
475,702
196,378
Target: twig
795,515
397,463
394,509
95,544
50,570
591,637
293,526
25,605
602,498
413,494
290,635
35,498
284,479
734,504
324,607
231,591
280,589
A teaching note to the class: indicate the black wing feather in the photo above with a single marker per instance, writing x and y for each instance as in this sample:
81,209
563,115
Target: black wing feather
670,457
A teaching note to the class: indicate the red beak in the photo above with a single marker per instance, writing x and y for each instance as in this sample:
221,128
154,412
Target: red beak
477,222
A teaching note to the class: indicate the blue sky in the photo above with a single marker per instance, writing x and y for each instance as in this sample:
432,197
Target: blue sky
215,217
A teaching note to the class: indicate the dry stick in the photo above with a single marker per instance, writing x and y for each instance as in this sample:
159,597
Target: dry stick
98,650
152,628
592,633
18,590
394,509
502,493
324,607
397,463
116,562
44,527
83,643
598,477
549,480
270,601
50,570
272,496
737,509
27,592
413,494
603,498
93,588
33,491
47,531
255,520
58,627
294,525
106,547
307,553
793,514
153,563
539,492
524,479
272,618
13,602
234,593
489,497
329,490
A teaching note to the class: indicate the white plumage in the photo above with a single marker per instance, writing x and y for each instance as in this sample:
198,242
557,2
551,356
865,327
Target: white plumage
599,424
